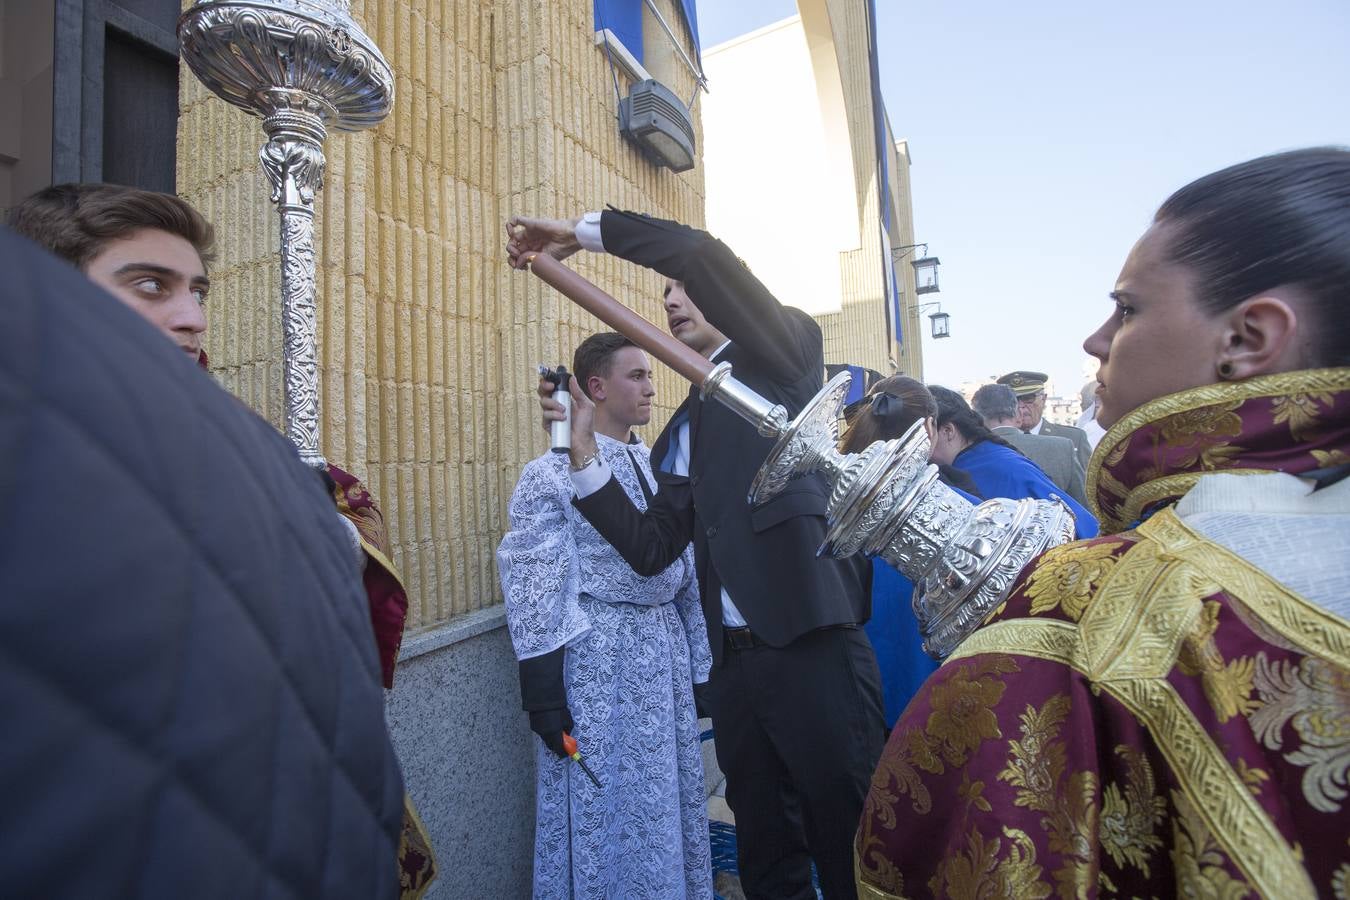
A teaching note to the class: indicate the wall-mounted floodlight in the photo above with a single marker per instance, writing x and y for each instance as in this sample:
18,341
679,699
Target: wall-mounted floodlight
659,124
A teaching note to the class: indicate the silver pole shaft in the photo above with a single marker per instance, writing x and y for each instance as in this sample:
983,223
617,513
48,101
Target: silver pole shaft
294,163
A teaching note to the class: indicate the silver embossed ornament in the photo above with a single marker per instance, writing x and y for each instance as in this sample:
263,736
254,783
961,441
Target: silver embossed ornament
303,67
887,501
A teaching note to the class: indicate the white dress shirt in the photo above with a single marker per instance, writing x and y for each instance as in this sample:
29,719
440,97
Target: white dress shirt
1278,523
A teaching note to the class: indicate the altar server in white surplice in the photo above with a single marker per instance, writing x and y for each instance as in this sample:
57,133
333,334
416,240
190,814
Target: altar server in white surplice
610,657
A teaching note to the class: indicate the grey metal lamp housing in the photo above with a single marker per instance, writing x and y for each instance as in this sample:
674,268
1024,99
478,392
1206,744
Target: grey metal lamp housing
659,124
925,275
941,324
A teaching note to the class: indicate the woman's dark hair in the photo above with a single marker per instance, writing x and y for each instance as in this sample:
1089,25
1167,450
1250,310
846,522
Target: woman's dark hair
952,408
1282,219
891,406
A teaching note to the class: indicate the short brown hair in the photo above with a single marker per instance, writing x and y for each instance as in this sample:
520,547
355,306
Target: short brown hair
75,221
595,356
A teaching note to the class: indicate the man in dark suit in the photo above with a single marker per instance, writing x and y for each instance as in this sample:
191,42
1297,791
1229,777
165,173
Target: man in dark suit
1030,390
996,404
795,693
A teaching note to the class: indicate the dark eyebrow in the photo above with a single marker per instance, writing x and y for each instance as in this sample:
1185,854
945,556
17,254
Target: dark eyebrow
1120,295
164,271
151,268
639,370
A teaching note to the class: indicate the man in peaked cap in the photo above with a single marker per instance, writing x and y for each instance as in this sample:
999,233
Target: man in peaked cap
1030,390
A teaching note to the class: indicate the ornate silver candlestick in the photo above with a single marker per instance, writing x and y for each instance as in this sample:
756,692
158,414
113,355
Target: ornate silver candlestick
302,66
885,501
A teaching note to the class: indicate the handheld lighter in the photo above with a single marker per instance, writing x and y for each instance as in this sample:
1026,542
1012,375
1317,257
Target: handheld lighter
560,433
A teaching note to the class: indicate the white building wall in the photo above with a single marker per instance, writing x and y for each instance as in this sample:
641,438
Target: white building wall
780,185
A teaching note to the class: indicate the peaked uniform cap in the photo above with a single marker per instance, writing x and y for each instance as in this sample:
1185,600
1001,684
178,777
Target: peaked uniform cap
1024,383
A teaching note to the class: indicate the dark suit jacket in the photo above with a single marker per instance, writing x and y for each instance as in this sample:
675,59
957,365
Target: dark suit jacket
766,557
1053,455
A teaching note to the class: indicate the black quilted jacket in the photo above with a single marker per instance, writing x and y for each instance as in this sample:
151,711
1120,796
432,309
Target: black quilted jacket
190,703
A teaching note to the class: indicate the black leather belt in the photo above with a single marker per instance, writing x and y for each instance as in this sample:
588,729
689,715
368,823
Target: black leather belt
741,638
744,639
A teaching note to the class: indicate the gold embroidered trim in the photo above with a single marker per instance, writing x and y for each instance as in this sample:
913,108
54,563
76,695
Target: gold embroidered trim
1127,642
1305,624
376,554
1238,822
1304,381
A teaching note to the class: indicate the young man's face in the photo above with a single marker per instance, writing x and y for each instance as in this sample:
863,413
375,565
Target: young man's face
686,322
627,392
160,276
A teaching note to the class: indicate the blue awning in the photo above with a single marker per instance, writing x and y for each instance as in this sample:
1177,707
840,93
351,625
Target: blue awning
624,19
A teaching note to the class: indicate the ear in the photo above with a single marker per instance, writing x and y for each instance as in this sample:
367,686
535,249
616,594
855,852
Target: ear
930,426
595,387
1261,336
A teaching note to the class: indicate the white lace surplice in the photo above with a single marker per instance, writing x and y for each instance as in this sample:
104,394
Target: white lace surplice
635,646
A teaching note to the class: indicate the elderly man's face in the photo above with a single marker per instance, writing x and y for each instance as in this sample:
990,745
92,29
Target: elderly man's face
1030,409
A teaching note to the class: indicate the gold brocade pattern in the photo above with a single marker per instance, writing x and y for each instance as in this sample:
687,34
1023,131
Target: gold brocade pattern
1340,882
1201,424
1131,816
1066,577
980,872
1036,767
960,720
1328,458
1228,686
1313,697
1198,859
1128,640
1300,411
962,715
1204,432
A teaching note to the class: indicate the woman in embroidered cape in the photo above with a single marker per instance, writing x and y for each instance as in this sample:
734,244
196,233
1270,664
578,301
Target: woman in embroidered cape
1165,710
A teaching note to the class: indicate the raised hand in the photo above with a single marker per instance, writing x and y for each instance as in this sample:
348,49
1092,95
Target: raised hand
525,236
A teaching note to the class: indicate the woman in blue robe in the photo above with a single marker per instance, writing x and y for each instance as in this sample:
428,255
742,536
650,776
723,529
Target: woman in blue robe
889,409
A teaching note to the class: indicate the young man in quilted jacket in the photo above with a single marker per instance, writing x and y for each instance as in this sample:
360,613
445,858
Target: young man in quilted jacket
150,250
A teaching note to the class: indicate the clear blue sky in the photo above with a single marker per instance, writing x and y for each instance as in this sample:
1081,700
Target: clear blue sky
1045,134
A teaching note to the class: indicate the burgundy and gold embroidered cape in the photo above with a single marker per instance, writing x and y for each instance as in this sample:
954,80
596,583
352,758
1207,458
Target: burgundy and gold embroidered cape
1148,715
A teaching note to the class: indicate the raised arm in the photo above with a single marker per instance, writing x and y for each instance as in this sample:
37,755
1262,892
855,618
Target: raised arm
648,541
785,342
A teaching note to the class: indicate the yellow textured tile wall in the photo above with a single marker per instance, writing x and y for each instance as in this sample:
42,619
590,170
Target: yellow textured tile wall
428,342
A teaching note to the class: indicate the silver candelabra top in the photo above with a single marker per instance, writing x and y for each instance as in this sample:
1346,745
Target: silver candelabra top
303,66
268,55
